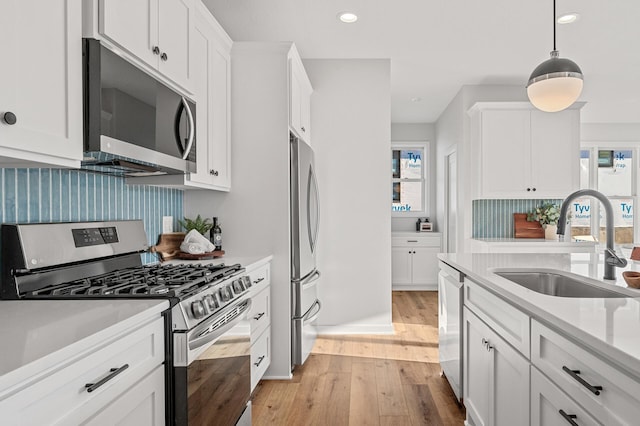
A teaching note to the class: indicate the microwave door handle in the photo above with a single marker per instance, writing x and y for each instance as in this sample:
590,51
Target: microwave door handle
192,129
176,127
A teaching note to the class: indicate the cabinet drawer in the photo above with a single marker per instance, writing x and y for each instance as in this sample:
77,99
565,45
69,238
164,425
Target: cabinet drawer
64,391
260,276
260,357
509,322
547,400
260,314
617,401
419,240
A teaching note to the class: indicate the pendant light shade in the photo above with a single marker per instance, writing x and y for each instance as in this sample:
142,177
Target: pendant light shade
556,83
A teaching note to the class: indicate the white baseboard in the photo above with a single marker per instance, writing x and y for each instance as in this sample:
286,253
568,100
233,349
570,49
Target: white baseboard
415,287
286,377
355,329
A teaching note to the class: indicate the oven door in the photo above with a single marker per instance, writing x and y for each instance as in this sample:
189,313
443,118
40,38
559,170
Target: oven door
215,384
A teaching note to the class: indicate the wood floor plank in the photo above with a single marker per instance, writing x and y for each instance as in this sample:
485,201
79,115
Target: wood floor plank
363,399
368,379
389,386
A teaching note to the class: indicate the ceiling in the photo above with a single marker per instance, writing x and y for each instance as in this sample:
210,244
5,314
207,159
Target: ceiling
437,46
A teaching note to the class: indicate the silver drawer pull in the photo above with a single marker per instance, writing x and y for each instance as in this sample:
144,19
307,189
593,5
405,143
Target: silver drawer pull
260,359
258,280
114,372
569,417
260,315
412,241
574,373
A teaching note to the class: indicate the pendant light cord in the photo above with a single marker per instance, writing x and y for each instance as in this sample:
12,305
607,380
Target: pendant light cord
554,24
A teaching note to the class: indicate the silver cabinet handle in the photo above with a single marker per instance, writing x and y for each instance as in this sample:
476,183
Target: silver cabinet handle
112,373
260,359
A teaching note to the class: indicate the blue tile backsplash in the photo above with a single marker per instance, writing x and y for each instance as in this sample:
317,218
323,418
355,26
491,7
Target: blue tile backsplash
61,195
494,218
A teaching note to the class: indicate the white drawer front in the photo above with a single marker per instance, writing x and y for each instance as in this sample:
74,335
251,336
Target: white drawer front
260,314
260,357
618,401
260,276
421,241
509,322
547,400
64,391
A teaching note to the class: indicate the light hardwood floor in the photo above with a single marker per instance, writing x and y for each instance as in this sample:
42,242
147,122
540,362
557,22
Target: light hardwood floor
368,379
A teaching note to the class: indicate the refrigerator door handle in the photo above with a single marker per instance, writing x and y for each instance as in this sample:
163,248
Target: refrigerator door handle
312,228
311,316
309,279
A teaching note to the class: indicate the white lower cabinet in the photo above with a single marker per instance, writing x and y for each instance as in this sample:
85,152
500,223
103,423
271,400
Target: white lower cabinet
260,321
414,262
496,379
552,407
121,382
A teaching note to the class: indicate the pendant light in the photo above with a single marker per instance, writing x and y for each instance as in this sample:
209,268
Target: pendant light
556,83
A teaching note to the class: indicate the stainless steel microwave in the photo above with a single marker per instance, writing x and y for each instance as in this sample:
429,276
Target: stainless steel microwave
134,125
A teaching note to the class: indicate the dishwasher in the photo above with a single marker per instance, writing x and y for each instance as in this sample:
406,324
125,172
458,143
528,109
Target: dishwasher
450,298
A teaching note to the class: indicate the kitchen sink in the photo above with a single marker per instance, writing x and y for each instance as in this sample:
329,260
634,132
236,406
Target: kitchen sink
560,283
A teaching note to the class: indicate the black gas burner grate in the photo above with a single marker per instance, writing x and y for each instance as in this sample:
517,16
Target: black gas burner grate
142,281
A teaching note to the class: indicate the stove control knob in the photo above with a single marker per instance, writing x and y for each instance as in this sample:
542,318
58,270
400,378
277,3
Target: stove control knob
197,308
210,302
225,294
238,286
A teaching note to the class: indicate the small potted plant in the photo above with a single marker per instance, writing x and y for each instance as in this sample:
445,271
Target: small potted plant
547,214
201,225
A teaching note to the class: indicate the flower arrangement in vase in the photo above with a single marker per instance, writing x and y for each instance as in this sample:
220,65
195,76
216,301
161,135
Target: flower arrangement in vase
547,214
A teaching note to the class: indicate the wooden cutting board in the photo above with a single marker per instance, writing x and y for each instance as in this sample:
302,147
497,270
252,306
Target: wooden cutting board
168,247
524,229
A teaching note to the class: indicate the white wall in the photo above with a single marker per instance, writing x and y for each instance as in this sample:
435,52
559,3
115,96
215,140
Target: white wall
417,132
613,132
351,138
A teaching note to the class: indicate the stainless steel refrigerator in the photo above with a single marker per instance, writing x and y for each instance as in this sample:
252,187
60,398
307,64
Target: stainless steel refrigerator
305,278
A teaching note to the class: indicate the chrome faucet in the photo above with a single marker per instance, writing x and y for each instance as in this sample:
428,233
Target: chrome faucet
611,259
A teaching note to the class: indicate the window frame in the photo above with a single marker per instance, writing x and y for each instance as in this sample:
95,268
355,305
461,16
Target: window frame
594,147
426,163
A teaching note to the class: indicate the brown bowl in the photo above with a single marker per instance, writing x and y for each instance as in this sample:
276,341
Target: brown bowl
632,278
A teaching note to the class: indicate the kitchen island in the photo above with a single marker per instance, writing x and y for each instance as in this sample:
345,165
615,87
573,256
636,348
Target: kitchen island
524,353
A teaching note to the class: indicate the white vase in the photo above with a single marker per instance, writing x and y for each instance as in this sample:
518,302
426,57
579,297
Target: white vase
550,232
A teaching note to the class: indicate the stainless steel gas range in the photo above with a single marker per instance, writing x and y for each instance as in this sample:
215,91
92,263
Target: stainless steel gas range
207,374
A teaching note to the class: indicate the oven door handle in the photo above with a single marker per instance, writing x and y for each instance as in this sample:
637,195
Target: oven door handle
214,334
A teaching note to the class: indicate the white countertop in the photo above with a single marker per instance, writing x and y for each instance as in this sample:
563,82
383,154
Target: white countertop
415,234
39,334
536,241
610,326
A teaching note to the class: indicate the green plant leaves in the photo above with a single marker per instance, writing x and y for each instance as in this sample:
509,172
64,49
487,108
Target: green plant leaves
546,214
199,224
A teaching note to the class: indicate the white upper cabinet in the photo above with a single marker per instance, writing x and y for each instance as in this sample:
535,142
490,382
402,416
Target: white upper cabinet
211,69
154,32
41,84
299,98
524,153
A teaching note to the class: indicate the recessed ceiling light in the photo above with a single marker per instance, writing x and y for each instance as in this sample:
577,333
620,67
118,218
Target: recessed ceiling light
568,18
347,17
416,99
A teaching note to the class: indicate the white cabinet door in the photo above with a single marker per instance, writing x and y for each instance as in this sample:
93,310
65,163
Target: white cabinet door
300,100
220,138
142,404
132,26
425,265
41,83
555,149
476,374
496,377
175,23
401,265
157,32
506,158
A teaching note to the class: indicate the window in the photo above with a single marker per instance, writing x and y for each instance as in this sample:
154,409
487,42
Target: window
611,171
408,183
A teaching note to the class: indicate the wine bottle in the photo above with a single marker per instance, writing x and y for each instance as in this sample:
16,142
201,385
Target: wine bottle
216,234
